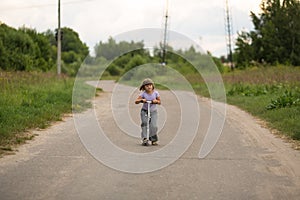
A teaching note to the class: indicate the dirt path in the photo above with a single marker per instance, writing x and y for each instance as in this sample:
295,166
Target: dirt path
248,162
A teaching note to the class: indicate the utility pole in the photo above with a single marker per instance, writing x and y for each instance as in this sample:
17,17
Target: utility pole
228,30
164,47
58,42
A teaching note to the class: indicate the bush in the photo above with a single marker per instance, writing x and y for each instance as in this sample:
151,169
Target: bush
287,99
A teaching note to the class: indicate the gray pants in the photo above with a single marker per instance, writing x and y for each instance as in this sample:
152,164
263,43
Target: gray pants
152,127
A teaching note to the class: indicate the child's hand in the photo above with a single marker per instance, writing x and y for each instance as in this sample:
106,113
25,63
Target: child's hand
155,101
143,101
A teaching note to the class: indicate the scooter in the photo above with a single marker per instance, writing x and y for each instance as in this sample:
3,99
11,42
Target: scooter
147,142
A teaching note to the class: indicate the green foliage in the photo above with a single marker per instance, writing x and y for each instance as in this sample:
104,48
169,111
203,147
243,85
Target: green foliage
130,67
114,70
127,56
23,49
287,99
134,62
244,53
247,90
43,48
276,37
27,50
72,43
112,50
219,64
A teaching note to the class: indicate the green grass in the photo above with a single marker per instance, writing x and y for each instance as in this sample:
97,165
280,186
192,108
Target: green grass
271,93
32,100
285,119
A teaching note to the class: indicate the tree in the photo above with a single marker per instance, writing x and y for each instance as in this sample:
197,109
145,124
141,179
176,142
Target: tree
43,57
276,35
244,49
72,42
23,49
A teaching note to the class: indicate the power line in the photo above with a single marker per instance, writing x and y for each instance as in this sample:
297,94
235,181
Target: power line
43,5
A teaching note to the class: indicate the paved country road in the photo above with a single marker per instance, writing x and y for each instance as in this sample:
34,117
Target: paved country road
247,162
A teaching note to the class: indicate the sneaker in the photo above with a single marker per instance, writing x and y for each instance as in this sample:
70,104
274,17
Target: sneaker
154,143
145,142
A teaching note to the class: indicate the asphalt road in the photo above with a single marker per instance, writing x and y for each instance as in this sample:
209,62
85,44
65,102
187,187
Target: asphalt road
247,162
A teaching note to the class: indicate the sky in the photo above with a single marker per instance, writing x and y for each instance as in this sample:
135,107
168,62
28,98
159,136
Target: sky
96,20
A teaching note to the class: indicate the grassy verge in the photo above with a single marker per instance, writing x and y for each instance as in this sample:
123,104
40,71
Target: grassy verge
32,100
271,93
280,110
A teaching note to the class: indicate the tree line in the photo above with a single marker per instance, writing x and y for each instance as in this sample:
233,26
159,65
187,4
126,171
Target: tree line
274,40
124,56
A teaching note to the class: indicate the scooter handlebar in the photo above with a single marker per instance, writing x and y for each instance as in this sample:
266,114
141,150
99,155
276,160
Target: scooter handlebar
142,101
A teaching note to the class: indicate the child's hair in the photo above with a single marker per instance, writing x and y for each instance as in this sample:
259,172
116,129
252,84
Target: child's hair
146,81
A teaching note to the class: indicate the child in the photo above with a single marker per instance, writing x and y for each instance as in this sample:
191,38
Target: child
148,94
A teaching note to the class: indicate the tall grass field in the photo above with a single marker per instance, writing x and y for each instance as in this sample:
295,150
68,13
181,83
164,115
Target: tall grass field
31,100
